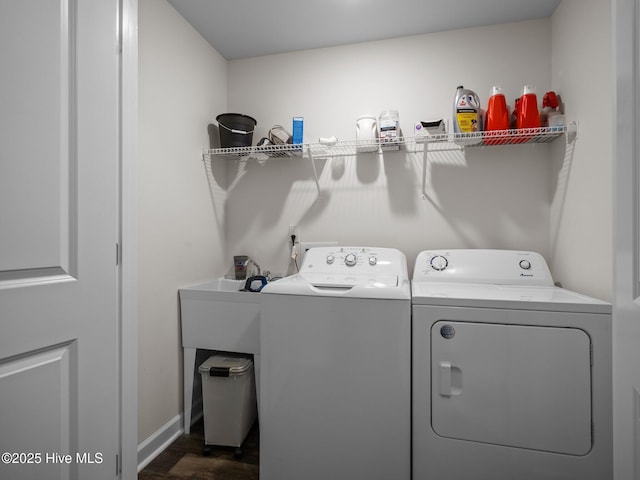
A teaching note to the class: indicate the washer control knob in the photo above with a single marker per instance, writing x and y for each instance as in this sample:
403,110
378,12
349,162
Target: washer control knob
372,260
350,259
525,264
330,259
439,263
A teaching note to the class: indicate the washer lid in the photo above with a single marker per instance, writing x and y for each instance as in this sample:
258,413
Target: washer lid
327,280
355,272
505,296
341,285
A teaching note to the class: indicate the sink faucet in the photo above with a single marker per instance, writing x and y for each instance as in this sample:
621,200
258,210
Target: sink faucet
251,261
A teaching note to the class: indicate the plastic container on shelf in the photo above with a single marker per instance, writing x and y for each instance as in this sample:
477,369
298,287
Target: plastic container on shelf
467,116
557,122
528,114
513,119
550,108
466,111
367,134
496,117
236,129
298,130
389,125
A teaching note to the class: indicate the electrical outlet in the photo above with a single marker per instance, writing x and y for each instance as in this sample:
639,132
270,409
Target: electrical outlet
293,230
294,242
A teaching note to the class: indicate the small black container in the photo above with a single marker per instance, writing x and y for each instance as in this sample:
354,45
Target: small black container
236,129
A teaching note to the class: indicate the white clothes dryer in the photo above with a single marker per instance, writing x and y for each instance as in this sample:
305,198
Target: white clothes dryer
511,374
335,341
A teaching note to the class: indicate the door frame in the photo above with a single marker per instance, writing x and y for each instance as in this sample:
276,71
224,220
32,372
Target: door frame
128,241
626,237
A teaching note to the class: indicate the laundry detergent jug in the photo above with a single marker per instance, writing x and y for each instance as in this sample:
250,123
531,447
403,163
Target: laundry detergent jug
528,115
496,118
467,116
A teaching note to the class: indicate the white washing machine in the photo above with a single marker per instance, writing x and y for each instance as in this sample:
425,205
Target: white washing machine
511,375
335,341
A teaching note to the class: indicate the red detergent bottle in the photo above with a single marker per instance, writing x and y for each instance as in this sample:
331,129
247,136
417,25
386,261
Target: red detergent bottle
528,115
497,118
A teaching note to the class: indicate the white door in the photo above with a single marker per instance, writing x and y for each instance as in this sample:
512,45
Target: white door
626,213
59,153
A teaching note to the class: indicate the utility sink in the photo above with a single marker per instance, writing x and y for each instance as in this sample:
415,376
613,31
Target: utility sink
227,284
220,285
216,316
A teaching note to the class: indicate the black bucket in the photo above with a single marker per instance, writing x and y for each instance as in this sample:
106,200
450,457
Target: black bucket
236,130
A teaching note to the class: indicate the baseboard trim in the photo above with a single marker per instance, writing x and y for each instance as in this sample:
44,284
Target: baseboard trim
152,446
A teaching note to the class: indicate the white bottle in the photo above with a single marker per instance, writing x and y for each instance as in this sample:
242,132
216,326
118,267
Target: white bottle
389,130
367,134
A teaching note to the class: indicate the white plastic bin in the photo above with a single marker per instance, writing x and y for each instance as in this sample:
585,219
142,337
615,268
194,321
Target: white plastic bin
229,399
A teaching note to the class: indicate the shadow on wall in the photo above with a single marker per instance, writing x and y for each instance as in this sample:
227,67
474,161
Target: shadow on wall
451,158
460,191
401,172
561,170
283,190
215,170
219,175
499,196
261,189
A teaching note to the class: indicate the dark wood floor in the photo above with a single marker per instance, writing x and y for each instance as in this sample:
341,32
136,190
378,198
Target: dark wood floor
184,459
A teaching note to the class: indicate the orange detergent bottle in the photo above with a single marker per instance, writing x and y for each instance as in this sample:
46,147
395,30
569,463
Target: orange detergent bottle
497,118
528,115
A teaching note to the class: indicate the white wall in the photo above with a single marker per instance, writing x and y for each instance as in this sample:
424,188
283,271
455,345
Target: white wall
183,84
581,64
490,197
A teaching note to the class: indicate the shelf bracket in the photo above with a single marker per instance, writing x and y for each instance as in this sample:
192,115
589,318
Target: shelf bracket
313,166
425,153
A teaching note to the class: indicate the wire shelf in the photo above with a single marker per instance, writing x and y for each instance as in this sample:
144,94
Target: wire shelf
407,144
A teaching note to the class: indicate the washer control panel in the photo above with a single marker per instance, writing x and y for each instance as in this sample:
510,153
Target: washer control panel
500,267
355,260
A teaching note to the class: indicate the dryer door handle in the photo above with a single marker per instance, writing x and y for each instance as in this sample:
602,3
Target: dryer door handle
449,380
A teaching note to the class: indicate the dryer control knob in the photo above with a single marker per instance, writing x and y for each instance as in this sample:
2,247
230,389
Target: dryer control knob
330,259
350,259
525,264
372,260
439,263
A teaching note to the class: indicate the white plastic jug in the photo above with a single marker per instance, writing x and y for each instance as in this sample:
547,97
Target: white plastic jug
367,134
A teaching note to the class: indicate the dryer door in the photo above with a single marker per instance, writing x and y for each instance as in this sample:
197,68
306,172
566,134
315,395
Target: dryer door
512,385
